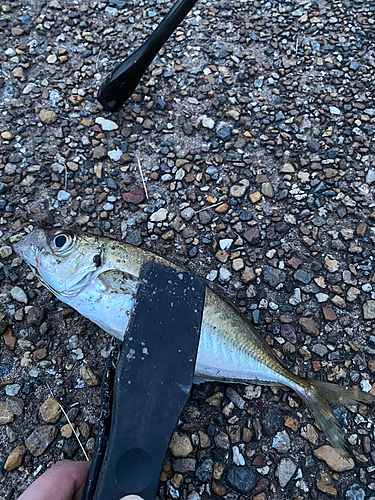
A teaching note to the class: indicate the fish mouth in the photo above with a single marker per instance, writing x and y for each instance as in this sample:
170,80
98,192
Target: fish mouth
63,293
44,283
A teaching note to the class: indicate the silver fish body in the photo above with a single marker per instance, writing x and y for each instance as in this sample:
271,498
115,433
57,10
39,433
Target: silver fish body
99,277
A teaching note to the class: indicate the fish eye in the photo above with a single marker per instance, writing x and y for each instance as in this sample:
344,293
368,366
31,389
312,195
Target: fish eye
62,242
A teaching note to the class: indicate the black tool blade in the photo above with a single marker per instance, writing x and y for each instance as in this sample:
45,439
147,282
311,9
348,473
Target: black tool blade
153,381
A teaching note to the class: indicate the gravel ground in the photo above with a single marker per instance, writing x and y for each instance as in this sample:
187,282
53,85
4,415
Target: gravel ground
254,129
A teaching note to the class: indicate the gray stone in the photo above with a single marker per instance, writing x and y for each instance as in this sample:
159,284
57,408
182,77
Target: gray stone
19,295
281,442
285,471
252,236
319,349
273,276
369,309
241,479
222,441
15,405
40,439
237,191
334,111
224,133
187,213
258,83
235,398
204,470
35,316
11,434
12,389
99,152
212,172
115,154
134,238
184,465
370,177
88,205
267,190
224,275
355,492
303,276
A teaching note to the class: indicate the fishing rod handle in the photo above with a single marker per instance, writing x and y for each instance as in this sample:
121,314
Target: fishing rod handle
123,79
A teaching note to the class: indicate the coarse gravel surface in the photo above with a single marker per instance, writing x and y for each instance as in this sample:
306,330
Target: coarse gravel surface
254,128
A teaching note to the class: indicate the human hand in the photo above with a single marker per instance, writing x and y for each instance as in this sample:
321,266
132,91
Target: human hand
63,481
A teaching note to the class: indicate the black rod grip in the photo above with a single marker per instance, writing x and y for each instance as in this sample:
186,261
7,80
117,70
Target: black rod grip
121,82
153,381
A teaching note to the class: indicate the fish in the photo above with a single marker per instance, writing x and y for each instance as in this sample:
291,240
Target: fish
99,277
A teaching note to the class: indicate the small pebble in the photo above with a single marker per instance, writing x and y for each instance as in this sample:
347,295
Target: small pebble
106,125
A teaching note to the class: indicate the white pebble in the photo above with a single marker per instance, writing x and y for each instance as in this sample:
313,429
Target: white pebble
334,111
19,295
207,122
238,459
224,275
115,154
106,124
366,386
225,244
63,195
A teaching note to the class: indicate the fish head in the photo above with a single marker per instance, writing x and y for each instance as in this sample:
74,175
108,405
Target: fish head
64,261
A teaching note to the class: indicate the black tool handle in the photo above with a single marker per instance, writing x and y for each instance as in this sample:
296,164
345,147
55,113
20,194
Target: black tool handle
104,429
153,381
121,82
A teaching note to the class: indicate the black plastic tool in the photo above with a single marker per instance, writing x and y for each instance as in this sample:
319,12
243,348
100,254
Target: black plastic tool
152,383
121,82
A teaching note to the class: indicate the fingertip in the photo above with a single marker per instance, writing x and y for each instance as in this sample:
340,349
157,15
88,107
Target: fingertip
131,497
64,480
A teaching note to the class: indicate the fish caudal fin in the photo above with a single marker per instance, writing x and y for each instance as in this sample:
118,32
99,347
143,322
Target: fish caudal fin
320,396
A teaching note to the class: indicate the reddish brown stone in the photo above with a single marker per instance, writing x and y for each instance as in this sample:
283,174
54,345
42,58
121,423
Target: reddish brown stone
136,196
316,366
9,339
291,423
261,496
261,486
309,326
190,177
294,263
329,314
246,435
15,458
39,354
258,461
221,209
324,484
361,229
218,489
252,236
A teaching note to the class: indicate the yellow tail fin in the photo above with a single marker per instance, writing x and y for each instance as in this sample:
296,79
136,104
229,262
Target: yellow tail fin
320,396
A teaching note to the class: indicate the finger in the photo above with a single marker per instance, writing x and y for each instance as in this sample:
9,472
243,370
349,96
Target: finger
63,481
